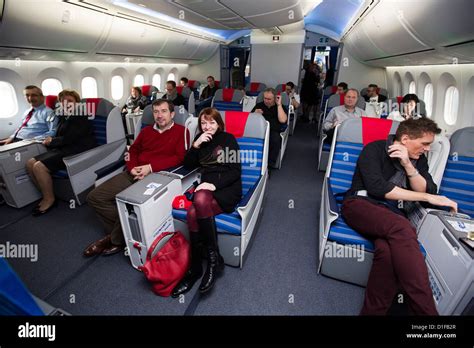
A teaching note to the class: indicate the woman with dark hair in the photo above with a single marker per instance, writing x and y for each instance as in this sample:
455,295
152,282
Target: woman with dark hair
74,135
220,191
409,109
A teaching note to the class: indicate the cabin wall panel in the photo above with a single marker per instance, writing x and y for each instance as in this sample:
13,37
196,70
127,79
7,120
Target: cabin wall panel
443,76
273,64
358,75
22,73
212,67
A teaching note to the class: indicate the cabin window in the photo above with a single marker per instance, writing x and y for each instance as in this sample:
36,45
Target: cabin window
117,87
89,87
412,87
8,100
171,77
451,105
428,99
139,80
51,86
156,81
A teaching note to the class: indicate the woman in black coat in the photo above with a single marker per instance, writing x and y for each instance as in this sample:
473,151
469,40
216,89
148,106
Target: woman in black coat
216,153
309,91
74,135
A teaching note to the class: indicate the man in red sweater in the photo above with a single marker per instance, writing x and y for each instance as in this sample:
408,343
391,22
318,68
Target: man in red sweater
156,148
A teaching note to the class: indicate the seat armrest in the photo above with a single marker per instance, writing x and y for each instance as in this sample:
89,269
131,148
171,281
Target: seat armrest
110,168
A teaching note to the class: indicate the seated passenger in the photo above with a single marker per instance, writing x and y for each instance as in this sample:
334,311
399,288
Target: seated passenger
409,105
156,148
172,94
294,97
184,82
272,109
209,90
342,88
372,96
36,122
341,113
135,102
74,135
220,191
389,175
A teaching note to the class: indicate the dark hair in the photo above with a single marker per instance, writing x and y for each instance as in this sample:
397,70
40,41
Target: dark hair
416,128
410,97
291,84
158,102
34,87
172,83
343,85
373,85
138,89
211,113
210,77
184,79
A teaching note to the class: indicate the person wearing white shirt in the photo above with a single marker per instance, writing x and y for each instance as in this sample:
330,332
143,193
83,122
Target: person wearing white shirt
294,97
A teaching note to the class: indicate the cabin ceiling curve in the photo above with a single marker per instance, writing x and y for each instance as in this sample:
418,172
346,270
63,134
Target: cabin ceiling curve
422,32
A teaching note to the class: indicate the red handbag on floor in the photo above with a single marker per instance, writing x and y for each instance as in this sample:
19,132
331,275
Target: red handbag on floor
167,261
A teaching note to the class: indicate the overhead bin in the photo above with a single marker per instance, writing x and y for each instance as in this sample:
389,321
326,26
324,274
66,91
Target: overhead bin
53,24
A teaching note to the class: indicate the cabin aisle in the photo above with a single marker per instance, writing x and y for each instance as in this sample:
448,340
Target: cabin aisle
280,274
278,278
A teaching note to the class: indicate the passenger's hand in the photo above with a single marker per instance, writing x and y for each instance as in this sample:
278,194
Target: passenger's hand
137,109
6,141
140,172
204,138
47,141
278,100
443,201
205,186
399,151
259,111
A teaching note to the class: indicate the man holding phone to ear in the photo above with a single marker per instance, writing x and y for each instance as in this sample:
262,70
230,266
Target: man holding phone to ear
389,174
272,109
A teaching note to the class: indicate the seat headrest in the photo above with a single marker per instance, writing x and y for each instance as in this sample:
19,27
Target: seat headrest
461,142
147,90
147,117
98,107
255,87
244,124
50,101
285,99
365,130
193,84
184,91
180,115
336,100
229,95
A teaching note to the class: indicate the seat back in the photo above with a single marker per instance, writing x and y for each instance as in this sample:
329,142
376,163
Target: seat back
351,137
148,90
329,90
195,87
254,88
50,101
228,99
458,179
98,110
189,101
250,131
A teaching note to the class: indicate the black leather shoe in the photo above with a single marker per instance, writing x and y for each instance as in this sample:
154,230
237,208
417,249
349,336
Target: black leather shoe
113,249
215,262
215,266
37,212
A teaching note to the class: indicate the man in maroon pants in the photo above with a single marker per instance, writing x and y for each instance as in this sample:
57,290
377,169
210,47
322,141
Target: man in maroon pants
389,175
